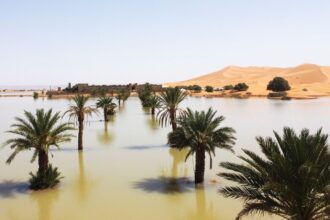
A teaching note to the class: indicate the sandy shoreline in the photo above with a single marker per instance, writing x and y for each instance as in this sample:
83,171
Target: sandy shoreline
215,94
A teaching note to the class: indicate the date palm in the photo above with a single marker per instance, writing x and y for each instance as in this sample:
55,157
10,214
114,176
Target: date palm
123,95
78,111
107,105
291,179
169,101
38,132
154,104
200,132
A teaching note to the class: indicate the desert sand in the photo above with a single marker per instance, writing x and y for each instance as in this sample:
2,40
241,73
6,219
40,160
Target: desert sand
306,80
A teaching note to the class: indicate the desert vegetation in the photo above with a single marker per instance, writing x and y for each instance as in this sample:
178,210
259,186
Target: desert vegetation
78,111
291,179
278,84
170,100
209,88
241,87
108,106
39,132
202,134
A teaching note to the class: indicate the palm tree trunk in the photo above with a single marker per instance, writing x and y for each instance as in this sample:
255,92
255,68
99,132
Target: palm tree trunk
105,112
173,120
42,160
152,111
200,166
80,135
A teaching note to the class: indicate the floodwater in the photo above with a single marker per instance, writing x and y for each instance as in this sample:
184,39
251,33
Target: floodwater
127,171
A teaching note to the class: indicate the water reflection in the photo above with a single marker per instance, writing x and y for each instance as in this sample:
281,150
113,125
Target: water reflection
170,181
106,137
146,110
152,123
178,158
45,200
84,183
202,210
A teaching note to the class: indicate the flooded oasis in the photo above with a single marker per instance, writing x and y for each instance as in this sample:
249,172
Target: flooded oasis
127,170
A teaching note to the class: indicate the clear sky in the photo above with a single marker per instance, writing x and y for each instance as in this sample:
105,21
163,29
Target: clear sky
49,42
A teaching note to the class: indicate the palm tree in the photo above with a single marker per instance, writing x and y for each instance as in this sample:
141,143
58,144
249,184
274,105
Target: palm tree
78,111
154,104
38,132
107,105
291,179
200,132
123,95
169,101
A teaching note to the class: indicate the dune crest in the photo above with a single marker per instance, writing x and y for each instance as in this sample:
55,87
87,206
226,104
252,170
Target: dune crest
305,79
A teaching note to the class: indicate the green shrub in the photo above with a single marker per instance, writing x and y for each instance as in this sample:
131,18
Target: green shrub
209,89
145,94
35,95
228,87
195,88
46,179
241,87
278,84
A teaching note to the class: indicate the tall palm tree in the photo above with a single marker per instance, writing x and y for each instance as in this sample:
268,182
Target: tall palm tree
169,101
78,111
154,104
291,179
38,132
107,105
200,132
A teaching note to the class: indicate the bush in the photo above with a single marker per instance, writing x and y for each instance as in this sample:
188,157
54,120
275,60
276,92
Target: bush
47,179
209,89
241,87
278,84
195,88
35,95
228,87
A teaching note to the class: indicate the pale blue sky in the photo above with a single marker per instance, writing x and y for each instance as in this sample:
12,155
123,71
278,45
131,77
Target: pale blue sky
48,42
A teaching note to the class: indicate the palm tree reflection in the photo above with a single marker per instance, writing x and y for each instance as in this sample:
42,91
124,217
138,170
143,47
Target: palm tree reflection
202,210
105,137
153,123
45,200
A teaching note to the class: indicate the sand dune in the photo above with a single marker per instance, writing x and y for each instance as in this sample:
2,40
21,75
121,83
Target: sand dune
310,77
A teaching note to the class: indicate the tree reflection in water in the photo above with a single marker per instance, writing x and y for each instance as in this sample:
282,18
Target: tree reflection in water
106,137
152,123
84,184
45,200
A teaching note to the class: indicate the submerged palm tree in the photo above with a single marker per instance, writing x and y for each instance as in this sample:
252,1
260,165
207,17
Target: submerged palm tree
169,101
200,132
154,103
123,95
78,111
291,180
107,105
38,132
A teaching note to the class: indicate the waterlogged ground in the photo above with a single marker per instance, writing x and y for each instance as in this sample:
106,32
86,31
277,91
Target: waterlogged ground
126,170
